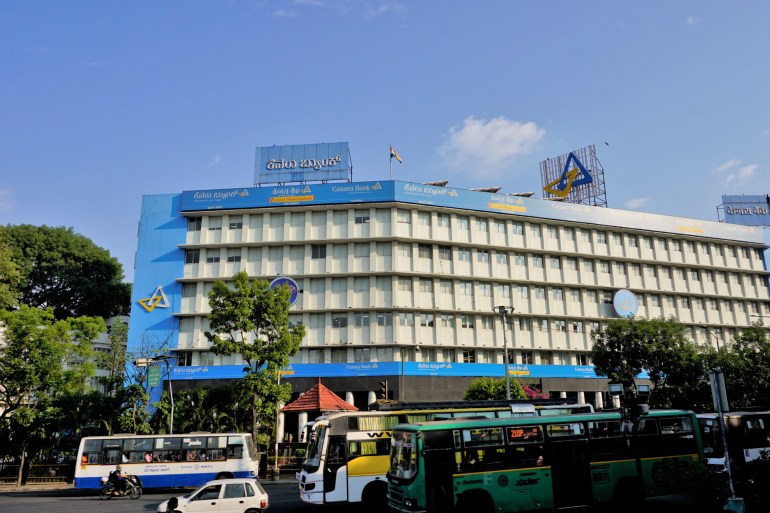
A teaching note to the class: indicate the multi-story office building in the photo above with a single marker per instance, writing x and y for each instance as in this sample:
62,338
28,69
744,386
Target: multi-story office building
402,281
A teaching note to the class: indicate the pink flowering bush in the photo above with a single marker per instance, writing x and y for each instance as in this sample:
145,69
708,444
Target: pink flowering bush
534,393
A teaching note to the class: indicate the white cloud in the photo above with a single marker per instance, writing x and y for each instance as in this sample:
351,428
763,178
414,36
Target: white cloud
693,20
636,203
285,13
216,160
730,164
736,175
489,145
741,176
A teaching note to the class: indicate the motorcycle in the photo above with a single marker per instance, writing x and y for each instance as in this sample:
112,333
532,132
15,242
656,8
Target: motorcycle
133,488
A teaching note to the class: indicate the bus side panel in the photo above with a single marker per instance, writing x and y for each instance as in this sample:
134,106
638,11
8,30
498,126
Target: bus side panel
517,490
606,475
363,470
669,475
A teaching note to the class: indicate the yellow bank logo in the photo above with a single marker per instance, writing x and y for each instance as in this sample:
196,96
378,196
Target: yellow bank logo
570,177
157,300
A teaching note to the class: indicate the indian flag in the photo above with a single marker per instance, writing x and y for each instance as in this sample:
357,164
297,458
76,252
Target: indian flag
394,154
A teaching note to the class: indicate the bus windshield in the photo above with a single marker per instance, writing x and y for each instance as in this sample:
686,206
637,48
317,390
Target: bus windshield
404,455
315,449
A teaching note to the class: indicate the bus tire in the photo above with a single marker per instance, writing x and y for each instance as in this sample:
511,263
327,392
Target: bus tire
475,502
375,496
224,475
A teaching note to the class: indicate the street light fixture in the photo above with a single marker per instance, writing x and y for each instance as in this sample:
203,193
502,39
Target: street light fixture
148,362
503,311
165,358
720,395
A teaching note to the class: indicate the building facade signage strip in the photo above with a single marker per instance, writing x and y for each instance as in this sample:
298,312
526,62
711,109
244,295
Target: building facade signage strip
407,192
377,369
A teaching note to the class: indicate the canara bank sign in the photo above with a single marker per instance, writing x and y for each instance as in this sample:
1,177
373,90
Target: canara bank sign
760,211
747,210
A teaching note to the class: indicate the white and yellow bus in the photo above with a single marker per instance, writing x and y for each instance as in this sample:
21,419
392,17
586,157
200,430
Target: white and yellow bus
348,452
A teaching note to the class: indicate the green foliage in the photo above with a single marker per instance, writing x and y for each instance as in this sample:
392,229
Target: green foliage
746,366
116,359
42,361
250,319
10,276
489,389
658,346
67,272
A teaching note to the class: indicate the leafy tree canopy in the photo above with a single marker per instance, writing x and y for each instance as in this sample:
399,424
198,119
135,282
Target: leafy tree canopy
660,347
41,360
10,276
252,320
490,389
66,272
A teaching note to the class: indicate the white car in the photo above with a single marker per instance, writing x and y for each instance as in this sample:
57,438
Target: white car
244,495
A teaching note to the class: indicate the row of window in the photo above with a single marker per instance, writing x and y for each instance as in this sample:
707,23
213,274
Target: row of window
520,291
319,251
485,225
386,354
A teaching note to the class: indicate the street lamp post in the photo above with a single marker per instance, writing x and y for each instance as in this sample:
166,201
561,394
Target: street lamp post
717,381
165,359
503,311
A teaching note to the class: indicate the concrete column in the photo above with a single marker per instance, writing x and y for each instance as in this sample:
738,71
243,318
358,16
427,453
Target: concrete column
562,395
349,398
371,397
279,428
616,401
581,397
301,421
599,401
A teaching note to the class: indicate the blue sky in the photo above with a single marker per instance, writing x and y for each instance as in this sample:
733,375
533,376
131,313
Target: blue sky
103,102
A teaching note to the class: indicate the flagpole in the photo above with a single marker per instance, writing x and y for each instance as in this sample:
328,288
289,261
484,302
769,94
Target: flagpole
391,166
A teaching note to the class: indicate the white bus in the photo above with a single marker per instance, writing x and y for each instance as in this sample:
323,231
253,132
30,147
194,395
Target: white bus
166,460
747,432
348,452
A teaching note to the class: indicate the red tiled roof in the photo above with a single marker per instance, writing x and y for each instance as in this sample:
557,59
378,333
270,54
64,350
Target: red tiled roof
318,398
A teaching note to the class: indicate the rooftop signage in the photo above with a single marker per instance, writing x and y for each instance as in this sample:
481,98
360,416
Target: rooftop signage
747,210
302,163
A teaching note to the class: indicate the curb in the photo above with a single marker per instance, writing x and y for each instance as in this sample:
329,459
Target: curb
68,489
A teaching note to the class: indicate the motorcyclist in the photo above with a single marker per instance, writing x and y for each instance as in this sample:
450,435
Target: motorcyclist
118,480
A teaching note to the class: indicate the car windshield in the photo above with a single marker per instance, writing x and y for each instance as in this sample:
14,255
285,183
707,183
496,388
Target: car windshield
403,455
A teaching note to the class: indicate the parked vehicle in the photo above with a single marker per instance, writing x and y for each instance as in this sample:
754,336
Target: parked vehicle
241,495
133,488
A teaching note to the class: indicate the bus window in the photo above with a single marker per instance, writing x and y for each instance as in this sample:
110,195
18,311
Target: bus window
369,448
565,430
482,436
92,452
136,448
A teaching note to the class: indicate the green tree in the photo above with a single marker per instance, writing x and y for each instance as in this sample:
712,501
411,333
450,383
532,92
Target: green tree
660,347
41,360
490,389
746,367
10,276
252,320
67,272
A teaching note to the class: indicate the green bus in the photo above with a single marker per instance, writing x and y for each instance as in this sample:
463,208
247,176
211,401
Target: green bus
528,464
